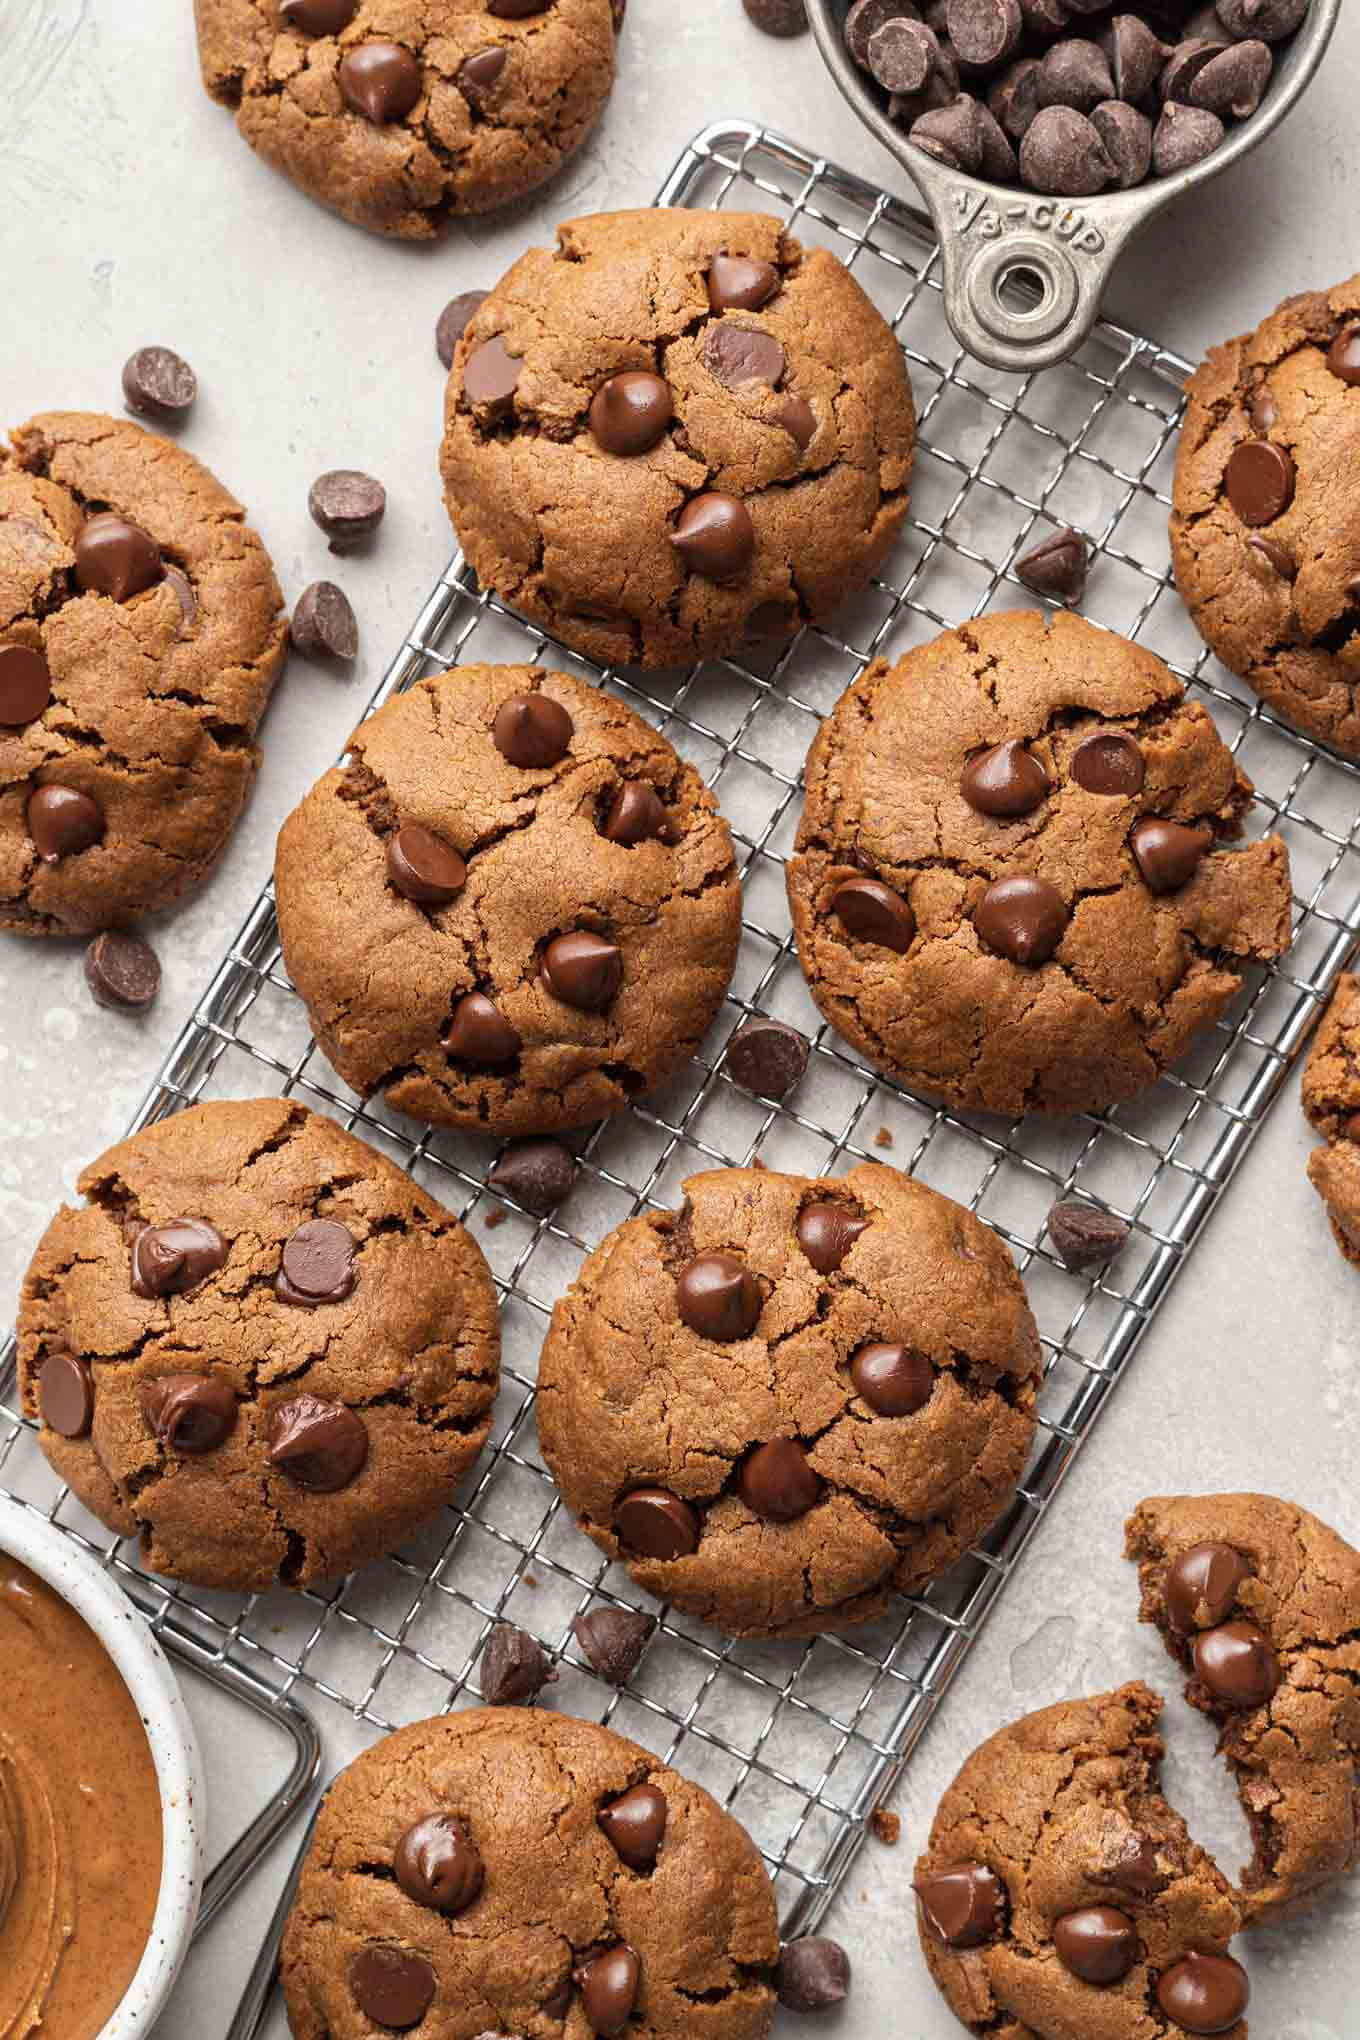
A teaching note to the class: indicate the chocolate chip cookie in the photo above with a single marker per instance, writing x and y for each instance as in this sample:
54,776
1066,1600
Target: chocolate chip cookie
675,430
258,1346
1008,887
514,908
140,636
1331,1101
791,1398
1265,538
1061,1898
1261,1604
402,113
500,1872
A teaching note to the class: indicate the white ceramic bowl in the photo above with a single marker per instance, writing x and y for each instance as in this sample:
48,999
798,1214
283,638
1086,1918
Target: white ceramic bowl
83,1582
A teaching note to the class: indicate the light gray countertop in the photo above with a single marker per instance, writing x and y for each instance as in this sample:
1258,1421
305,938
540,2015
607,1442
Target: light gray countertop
132,214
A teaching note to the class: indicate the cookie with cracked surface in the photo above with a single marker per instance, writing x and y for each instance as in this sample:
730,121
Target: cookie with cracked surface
402,114
514,908
1060,1896
140,635
1264,532
674,430
1260,1602
791,1398
1008,887
1331,1102
258,1346
498,1872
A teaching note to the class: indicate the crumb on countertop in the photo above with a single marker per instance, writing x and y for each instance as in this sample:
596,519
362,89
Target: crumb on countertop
885,1827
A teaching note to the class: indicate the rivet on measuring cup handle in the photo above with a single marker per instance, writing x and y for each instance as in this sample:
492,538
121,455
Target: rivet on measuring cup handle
1049,265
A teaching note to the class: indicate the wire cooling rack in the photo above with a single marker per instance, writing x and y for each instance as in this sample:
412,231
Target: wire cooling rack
801,1741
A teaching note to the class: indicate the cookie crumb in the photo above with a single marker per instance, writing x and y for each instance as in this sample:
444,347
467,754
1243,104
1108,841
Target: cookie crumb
495,1218
885,1827
883,1139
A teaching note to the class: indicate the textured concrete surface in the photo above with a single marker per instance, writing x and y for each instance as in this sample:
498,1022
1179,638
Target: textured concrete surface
133,214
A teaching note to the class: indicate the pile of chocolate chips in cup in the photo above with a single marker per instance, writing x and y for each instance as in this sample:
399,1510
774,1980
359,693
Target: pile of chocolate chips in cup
1070,97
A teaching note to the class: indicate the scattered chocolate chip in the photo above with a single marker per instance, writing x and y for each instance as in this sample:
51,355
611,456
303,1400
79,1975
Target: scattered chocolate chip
1022,919
1272,20
348,505
902,54
532,730
1057,566
116,558
583,969
894,1380
491,377
537,1174
766,1057
1202,1584
1109,763
379,80
1005,781
480,1033
715,537
740,283
777,1481
122,971
813,1974
1062,154
453,322
1099,1944
317,1265
392,1986
636,815
962,1905
189,1412
1259,479
423,867
777,17
631,412
1136,56
172,1259
826,1233
654,1523
1237,1665
873,912
1184,136
62,822
609,1987
1167,853
324,624
322,1446
66,1395
613,1639
736,354
515,1667
438,1864
1204,1993
25,685
319,17
718,1297
1343,358
635,1825
1083,1236
478,73
158,383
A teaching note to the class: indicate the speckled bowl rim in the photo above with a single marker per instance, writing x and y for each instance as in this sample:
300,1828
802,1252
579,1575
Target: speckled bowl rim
83,1583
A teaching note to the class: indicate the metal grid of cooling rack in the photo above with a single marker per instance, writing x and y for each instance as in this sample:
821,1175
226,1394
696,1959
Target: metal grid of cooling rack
801,1741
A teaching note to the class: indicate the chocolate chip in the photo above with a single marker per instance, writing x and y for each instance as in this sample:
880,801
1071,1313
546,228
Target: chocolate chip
902,54
1006,780
766,1057
1136,56
477,74
189,1412
894,1380
319,17
998,160
654,1523
1237,1665
515,1667
322,1446
962,1905
392,1986
583,969
1126,136
1062,154
116,558
532,730
613,1639
172,1259
537,1174
1075,73
826,1233
317,1264
1131,1864
438,1864
635,1825
718,1297
1201,1586
453,322
740,283
66,1395
1275,562
1167,853
348,505
1109,763
25,685
874,913
158,383
515,10
62,822
609,1988
798,419
813,1974
1263,410
423,867
491,377
1204,1993
1014,99
777,17
740,354
1045,17
1343,357
777,1481
1272,20
1259,479
379,80
636,815
324,625
715,537
1023,919
866,16
1183,66
1099,1944
122,971
1184,136
186,598
1083,1236
1235,81
983,32
1057,566
480,1033
631,412
952,134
